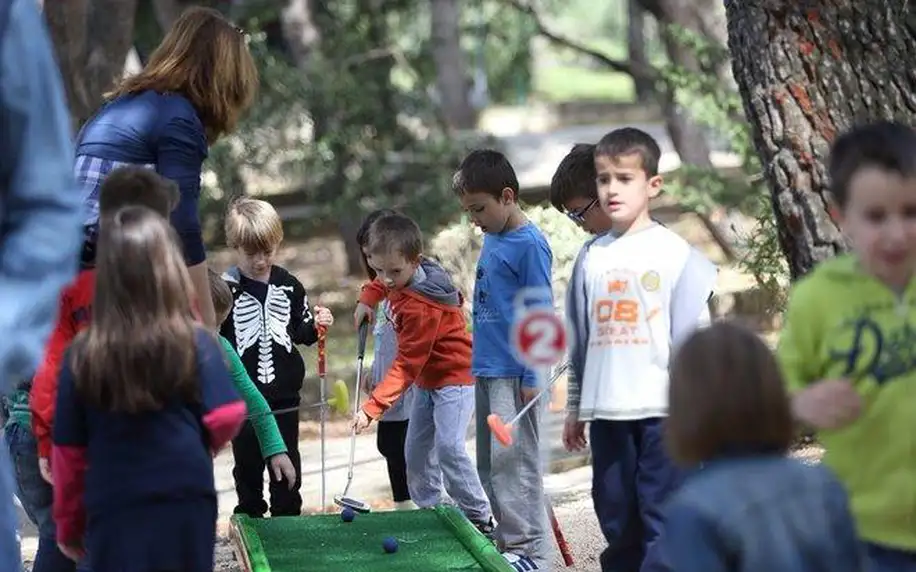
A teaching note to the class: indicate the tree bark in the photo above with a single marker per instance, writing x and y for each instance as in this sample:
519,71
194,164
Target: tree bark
636,50
452,79
91,40
806,73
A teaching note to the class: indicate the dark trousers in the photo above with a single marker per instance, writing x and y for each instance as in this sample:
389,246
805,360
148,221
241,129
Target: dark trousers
632,478
390,443
248,472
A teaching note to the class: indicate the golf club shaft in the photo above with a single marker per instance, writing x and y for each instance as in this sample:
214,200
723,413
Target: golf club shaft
553,379
362,336
323,395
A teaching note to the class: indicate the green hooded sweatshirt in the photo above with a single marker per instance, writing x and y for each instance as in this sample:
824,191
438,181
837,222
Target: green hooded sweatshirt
842,323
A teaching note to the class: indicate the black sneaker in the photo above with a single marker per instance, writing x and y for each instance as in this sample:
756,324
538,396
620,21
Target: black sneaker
487,528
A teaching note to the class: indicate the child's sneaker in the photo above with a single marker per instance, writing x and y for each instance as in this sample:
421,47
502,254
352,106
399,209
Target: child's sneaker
405,505
520,563
487,528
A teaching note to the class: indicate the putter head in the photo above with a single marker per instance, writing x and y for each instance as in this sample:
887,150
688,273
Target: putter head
355,504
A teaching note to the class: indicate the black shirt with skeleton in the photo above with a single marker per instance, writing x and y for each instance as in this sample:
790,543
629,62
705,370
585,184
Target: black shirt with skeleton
264,326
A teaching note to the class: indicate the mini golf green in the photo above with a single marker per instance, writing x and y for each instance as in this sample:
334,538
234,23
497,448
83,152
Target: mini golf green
435,539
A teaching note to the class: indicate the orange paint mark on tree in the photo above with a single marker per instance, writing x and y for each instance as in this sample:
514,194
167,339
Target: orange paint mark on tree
834,48
805,158
801,97
806,47
813,16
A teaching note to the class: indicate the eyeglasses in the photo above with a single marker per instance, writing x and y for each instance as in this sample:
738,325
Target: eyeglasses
578,215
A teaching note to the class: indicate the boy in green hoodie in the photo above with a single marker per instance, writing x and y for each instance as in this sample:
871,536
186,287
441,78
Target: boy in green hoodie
848,346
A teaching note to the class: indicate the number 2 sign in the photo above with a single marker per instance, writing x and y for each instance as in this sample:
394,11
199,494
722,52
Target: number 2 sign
539,338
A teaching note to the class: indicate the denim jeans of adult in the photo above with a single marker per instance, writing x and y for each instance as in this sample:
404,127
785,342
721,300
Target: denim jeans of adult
37,498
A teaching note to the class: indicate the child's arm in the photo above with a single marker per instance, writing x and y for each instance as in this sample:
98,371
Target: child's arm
44,385
535,272
415,343
797,349
223,411
68,460
371,293
578,346
690,298
304,328
265,426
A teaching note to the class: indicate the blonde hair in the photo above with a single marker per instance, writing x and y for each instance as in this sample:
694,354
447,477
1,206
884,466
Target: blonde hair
253,225
205,58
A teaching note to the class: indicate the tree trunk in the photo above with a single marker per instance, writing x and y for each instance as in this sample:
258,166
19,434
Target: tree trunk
300,33
806,74
91,40
452,80
636,49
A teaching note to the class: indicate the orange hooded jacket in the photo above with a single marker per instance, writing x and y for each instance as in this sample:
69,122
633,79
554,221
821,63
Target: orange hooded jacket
434,346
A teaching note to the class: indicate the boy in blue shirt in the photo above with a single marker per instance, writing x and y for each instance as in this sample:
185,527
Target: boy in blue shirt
515,256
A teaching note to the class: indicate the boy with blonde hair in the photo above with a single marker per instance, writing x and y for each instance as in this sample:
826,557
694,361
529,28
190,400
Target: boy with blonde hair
270,314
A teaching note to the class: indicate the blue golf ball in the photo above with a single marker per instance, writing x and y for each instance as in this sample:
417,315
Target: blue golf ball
390,545
347,514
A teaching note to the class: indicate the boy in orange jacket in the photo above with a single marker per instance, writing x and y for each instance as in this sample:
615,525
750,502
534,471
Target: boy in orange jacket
434,352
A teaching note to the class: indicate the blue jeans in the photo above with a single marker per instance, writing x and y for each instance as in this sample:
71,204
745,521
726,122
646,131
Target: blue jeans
435,451
883,559
632,478
37,498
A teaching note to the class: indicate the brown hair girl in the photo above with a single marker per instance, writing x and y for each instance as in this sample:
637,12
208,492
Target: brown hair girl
138,351
726,397
206,59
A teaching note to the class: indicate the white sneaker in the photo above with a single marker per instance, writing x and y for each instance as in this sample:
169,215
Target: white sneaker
520,563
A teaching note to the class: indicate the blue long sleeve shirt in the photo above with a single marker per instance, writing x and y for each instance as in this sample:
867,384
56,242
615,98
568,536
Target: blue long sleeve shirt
509,263
40,215
154,130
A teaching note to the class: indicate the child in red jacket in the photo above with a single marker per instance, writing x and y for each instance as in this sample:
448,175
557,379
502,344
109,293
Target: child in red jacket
434,353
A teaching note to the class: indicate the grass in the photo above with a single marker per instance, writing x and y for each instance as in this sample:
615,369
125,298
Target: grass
558,83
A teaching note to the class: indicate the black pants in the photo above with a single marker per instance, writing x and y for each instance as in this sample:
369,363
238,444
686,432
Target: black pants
391,437
248,472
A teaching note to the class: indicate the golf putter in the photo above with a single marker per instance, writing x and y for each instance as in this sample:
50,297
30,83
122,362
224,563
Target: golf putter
501,430
323,396
343,500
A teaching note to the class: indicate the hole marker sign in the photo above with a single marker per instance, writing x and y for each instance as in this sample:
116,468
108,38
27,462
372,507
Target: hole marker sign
539,338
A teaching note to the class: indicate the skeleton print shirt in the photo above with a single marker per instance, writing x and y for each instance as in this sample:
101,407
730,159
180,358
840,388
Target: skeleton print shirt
266,323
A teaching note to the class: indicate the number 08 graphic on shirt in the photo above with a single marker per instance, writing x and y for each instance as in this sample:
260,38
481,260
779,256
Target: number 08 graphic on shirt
539,337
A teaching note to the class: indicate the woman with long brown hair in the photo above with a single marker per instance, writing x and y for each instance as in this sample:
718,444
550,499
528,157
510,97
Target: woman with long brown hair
144,401
192,91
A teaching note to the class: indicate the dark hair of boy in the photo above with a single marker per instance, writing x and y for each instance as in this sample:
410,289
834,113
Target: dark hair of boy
575,177
362,237
727,397
886,145
137,186
485,171
222,295
395,233
631,141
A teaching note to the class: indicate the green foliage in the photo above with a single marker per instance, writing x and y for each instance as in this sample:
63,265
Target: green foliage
337,130
458,246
